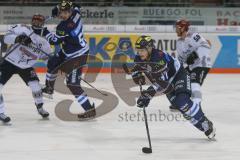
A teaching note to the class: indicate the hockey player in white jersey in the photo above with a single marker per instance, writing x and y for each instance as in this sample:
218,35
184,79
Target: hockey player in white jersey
193,51
26,48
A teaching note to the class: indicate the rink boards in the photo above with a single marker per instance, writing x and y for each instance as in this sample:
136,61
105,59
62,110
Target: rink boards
225,54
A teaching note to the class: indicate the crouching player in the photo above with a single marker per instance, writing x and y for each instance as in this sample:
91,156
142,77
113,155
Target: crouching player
169,77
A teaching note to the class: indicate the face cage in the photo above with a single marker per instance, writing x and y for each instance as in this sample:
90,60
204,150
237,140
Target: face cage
39,24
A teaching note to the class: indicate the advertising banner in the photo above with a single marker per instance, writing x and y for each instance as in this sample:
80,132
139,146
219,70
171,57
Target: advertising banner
225,52
130,15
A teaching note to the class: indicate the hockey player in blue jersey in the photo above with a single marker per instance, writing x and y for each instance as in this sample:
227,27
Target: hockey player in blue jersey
69,33
167,76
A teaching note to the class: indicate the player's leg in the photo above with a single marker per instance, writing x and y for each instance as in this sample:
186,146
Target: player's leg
51,75
74,84
31,79
3,117
6,72
171,97
190,109
197,77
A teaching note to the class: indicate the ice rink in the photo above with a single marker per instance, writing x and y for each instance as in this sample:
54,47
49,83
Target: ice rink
115,136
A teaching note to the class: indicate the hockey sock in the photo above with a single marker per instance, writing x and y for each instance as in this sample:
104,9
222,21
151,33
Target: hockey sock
50,80
81,97
84,101
36,91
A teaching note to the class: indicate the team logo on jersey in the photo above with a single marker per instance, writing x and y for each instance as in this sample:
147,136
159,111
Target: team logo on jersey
27,53
162,62
62,33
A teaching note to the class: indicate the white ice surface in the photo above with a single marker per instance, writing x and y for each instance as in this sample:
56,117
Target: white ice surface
110,137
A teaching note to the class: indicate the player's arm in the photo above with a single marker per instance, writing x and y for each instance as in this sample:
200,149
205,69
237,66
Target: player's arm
18,34
159,83
201,45
54,39
76,32
137,74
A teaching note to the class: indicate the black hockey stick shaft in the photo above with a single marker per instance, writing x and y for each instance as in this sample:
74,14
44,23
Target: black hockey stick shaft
104,94
146,123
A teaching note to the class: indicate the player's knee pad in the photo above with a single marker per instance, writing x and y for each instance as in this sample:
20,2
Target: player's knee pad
196,92
36,89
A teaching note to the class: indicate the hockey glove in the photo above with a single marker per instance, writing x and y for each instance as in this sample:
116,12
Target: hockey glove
145,97
138,78
23,39
191,58
55,11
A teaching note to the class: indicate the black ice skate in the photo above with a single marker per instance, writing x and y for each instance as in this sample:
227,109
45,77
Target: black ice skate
4,118
90,114
48,92
41,111
210,132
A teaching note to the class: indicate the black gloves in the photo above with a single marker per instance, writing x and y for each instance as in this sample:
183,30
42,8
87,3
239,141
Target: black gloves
55,11
145,97
23,39
138,78
191,58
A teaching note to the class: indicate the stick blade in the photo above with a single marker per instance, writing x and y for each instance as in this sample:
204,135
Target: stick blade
147,150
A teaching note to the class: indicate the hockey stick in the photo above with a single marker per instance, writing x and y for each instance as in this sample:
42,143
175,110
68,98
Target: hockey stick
104,94
146,149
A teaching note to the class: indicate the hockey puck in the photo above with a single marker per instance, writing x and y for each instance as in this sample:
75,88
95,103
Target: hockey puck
146,150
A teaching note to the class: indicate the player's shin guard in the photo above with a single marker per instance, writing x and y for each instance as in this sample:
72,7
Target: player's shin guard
196,92
192,111
4,118
38,98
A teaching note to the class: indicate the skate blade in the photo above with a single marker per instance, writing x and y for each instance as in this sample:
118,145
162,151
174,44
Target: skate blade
45,119
174,110
86,119
212,136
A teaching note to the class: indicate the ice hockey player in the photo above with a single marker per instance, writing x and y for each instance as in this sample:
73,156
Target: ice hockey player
193,51
169,77
26,48
69,33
